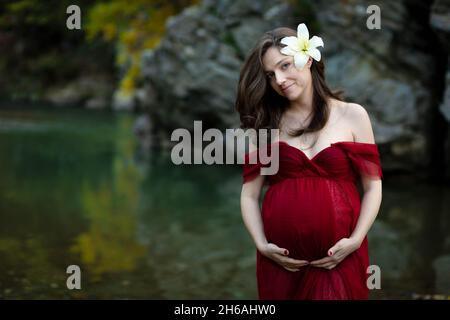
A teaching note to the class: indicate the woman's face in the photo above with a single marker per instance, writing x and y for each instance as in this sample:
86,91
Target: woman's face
284,77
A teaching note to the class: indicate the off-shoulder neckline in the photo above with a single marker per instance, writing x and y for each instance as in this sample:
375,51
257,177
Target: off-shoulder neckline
326,148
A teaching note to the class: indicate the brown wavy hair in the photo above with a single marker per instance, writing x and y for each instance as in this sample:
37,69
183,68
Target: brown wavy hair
260,106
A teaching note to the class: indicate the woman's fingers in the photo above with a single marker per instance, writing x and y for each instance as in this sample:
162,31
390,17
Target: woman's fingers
321,262
291,269
280,255
292,263
303,262
327,263
277,249
295,266
288,263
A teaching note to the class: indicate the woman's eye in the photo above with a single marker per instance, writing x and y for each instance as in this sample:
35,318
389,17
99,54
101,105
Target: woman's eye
286,65
269,76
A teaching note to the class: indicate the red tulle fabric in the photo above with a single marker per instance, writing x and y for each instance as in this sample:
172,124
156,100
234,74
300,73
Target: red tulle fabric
309,206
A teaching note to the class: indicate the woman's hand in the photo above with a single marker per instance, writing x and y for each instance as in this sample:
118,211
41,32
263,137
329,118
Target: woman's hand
280,256
337,253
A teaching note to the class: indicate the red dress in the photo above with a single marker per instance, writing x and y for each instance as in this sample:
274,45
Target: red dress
310,205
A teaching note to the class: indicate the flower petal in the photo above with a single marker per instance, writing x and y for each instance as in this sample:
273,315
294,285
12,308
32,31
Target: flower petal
288,51
316,42
314,53
300,60
290,41
302,31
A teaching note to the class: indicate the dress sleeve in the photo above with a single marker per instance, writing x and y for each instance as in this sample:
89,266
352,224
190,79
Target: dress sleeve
365,159
252,166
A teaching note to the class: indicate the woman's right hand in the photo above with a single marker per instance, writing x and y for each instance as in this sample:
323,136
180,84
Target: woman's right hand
280,256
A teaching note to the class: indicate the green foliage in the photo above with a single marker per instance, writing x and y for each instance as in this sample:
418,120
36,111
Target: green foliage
24,13
133,25
38,51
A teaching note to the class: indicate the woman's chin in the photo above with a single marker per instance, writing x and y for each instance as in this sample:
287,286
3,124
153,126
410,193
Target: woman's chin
292,96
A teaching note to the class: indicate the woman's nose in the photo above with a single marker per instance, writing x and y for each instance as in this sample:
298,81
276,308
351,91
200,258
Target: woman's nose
279,79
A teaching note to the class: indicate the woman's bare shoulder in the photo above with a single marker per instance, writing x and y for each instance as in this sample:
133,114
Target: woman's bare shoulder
356,110
347,110
359,121
342,110
356,118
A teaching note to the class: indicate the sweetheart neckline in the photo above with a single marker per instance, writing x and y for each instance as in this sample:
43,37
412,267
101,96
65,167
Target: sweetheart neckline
321,151
324,149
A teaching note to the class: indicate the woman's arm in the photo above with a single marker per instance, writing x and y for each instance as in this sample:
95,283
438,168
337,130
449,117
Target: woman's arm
371,200
251,215
370,206
361,128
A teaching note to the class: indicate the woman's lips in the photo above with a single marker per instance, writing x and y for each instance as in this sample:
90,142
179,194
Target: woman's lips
287,87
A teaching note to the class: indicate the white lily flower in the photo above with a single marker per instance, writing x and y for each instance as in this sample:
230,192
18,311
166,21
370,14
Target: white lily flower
301,47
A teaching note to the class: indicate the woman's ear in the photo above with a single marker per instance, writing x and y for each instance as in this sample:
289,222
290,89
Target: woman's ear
309,63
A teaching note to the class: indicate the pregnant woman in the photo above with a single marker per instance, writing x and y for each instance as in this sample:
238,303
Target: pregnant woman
311,230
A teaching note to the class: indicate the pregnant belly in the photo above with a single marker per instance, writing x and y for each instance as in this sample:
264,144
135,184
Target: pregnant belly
305,216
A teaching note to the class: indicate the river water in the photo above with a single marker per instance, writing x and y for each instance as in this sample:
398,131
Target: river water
75,189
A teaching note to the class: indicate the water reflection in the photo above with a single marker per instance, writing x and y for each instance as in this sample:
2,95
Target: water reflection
109,244
74,190
410,239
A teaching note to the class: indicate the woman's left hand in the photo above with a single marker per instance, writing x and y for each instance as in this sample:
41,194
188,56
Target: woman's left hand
337,253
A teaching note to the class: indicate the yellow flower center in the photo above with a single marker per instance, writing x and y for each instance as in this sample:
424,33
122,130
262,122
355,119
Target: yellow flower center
304,46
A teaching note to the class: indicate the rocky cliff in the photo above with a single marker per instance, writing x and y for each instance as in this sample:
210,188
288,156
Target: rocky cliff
397,72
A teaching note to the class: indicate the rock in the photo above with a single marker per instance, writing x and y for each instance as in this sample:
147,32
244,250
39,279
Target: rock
123,102
441,267
97,103
66,96
193,73
143,131
387,252
445,106
87,91
391,72
440,22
